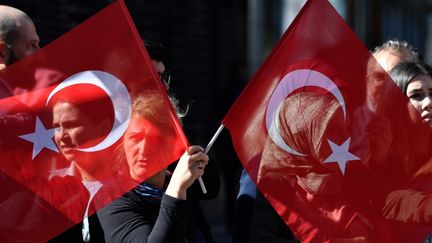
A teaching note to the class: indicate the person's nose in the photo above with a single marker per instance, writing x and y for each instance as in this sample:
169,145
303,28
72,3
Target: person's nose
142,146
60,133
427,103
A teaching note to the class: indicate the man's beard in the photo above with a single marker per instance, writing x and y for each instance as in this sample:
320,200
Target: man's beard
12,58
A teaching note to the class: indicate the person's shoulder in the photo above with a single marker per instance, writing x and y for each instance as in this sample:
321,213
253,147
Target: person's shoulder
129,201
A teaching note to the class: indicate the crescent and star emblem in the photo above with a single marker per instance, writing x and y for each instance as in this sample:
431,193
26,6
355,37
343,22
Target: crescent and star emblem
291,82
116,91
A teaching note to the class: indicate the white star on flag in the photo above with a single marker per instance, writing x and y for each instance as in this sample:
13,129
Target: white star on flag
41,138
340,154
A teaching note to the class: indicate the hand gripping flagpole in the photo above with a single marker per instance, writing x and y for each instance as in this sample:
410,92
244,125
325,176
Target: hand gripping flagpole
207,149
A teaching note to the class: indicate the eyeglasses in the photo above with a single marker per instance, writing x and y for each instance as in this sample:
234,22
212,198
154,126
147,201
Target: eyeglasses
165,77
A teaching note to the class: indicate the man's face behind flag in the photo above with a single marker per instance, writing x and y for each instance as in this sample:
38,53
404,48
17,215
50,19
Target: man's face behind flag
69,130
326,134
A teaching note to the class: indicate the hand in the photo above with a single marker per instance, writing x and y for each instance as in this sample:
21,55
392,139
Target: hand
189,168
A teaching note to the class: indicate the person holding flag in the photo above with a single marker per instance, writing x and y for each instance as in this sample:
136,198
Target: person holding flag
78,152
136,150
157,210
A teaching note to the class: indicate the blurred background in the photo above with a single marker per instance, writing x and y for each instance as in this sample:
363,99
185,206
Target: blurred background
214,47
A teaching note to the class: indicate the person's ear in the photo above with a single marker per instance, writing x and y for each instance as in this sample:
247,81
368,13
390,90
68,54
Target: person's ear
3,50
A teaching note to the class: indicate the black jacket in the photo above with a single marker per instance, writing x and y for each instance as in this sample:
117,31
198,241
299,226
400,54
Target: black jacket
131,219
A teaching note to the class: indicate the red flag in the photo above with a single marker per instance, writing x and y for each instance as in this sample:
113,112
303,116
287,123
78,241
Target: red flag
62,150
329,138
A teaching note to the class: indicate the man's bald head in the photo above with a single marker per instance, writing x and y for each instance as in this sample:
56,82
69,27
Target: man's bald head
18,37
11,20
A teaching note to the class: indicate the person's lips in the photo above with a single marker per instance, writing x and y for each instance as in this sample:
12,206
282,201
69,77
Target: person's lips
427,118
141,161
67,148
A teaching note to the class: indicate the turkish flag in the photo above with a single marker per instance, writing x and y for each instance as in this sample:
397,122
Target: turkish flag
330,140
62,145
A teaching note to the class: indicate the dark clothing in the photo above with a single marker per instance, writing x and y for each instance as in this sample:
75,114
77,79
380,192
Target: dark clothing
132,219
22,211
26,217
267,226
243,216
12,124
74,234
244,206
72,197
101,225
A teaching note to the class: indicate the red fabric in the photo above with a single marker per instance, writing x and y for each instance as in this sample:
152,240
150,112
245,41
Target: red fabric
41,193
370,126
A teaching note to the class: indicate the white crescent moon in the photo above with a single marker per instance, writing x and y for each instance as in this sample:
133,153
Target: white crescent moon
289,83
116,91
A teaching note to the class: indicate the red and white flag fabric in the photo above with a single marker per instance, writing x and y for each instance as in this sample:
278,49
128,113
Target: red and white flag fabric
329,139
62,155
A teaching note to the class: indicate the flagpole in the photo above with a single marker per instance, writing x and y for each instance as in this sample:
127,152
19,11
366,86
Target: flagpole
207,149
